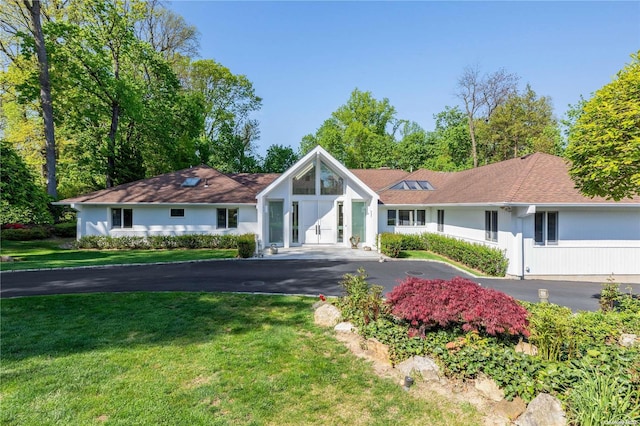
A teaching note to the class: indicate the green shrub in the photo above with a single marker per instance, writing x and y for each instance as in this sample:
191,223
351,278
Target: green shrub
490,260
246,245
391,244
64,230
609,295
25,234
164,242
88,242
600,399
551,331
363,302
414,242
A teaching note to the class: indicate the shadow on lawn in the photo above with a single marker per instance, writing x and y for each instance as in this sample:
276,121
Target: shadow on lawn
63,325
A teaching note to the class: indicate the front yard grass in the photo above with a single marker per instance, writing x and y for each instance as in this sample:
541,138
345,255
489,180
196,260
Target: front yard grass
427,255
191,358
40,254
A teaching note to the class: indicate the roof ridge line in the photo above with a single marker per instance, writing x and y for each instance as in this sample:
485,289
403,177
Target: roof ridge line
515,188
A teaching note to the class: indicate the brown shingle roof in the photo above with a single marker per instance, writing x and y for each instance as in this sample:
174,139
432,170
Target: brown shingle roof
535,179
378,179
214,187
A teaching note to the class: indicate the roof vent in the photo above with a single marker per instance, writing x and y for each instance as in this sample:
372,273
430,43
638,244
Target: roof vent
190,182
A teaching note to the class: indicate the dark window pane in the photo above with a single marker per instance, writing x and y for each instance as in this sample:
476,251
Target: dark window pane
330,182
177,212
420,217
304,183
127,218
116,218
552,227
494,226
391,217
441,220
233,218
487,225
405,217
539,228
222,218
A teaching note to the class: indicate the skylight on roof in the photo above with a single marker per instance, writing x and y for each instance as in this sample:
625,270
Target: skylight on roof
413,185
190,182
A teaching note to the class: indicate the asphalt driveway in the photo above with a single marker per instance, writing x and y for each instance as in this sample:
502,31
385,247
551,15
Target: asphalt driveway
308,277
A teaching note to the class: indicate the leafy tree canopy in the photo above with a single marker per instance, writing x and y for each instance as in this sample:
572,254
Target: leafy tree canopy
278,159
359,133
21,199
604,141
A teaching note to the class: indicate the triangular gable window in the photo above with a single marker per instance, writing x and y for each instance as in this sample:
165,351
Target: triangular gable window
331,183
304,183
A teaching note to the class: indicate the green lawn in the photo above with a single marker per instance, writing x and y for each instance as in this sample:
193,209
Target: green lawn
48,254
191,359
427,255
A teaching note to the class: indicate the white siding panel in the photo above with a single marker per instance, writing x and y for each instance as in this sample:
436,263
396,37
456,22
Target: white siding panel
582,260
591,242
157,220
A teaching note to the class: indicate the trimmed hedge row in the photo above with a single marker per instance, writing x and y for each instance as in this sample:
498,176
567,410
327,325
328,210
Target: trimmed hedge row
16,232
490,260
245,244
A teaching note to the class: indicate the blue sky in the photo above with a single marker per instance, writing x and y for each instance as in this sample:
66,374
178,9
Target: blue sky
305,58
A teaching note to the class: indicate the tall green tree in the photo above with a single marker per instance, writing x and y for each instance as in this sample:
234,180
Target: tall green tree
360,133
481,95
522,124
22,200
451,140
229,100
14,17
415,148
604,142
279,158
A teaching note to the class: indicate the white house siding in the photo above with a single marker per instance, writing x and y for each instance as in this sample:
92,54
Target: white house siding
157,220
591,241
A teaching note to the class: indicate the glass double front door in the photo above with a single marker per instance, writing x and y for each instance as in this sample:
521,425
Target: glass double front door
318,220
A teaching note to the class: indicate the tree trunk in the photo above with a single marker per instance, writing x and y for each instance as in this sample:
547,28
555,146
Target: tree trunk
111,143
474,149
45,96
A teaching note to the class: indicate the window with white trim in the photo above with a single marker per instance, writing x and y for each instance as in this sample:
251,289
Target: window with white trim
440,220
227,218
121,218
391,218
491,225
406,217
546,228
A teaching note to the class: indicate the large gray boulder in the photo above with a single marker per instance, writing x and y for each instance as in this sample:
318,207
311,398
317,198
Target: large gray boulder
327,315
425,366
543,410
